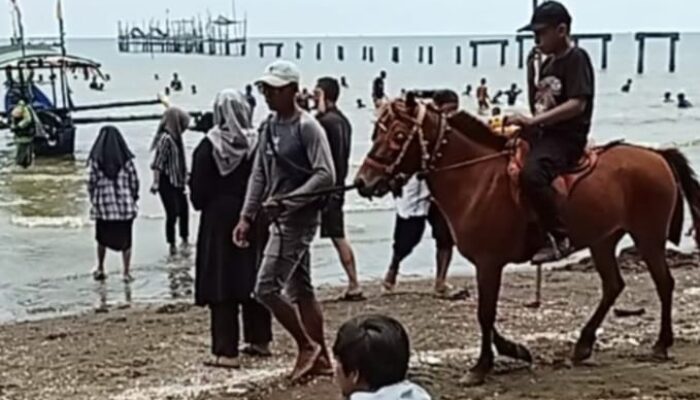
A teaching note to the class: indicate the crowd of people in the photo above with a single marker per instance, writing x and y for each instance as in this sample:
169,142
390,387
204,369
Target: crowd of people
257,191
252,252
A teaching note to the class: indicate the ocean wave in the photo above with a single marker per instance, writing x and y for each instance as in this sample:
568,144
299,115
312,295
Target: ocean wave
50,222
48,178
13,203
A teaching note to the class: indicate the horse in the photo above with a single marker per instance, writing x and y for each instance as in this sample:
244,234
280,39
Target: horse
632,190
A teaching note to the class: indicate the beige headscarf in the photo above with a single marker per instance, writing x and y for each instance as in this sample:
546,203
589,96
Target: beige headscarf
232,136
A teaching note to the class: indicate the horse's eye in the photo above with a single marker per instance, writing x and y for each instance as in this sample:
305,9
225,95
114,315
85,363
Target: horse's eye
400,137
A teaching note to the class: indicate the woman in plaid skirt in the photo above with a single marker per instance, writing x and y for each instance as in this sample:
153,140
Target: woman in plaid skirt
113,186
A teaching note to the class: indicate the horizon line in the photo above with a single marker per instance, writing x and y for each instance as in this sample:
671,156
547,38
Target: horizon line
399,35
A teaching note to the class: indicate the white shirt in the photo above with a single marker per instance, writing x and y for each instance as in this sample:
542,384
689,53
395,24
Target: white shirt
401,391
415,199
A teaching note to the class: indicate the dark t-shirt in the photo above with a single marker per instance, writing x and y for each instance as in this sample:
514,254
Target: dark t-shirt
339,134
568,77
378,88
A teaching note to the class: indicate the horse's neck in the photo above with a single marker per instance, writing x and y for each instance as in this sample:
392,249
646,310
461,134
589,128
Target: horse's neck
458,191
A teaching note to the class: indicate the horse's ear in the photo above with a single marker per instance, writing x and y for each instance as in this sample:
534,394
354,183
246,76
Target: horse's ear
411,102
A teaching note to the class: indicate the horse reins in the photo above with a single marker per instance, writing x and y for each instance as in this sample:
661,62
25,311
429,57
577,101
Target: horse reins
428,159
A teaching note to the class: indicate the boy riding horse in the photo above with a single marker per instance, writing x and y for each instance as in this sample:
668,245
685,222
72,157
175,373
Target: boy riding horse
562,102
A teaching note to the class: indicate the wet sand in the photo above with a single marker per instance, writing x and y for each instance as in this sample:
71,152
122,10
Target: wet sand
156,351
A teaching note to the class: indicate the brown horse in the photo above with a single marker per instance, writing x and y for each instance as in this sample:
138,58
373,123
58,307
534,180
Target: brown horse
632,190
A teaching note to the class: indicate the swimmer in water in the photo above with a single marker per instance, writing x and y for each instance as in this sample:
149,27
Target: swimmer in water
667,97
627,86
176,84
512,94
482,96
468,90
683,101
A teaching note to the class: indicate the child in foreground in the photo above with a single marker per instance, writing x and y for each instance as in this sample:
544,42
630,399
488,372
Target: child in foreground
372,354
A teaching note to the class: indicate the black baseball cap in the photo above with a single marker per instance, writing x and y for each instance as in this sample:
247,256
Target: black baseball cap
549,13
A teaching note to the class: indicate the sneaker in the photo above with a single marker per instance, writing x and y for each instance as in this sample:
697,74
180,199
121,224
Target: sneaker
556,251
173,250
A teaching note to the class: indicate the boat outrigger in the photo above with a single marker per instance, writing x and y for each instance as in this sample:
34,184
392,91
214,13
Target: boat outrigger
25,65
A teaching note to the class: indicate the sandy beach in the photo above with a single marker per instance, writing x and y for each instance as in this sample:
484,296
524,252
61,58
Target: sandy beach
156,351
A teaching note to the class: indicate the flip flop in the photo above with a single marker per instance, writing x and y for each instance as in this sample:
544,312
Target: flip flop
217,363
387,288
451,295
352,297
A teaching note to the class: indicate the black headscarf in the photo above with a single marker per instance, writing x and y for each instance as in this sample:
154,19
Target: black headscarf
110,152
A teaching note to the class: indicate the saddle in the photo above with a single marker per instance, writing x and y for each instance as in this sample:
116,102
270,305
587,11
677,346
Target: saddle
563,184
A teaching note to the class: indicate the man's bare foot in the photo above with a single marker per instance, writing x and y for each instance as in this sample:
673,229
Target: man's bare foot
323,366
305,362
442,289
99,275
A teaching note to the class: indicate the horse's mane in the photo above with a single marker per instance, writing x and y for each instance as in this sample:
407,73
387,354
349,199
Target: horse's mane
476,130
466,124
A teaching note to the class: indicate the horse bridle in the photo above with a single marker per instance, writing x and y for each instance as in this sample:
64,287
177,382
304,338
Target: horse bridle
428,158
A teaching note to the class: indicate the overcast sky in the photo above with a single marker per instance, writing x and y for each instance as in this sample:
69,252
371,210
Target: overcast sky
98,18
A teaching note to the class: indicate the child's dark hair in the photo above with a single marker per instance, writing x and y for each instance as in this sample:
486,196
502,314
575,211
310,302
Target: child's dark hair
376,347
330,87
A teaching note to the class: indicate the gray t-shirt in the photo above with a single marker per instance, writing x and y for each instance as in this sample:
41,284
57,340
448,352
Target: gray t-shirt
302,141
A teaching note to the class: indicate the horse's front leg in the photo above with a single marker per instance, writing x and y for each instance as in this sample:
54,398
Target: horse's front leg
489,285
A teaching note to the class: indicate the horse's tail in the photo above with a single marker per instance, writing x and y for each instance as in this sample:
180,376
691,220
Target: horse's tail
690,187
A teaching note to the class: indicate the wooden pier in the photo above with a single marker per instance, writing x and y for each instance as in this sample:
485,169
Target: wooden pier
604,38
222,36
672,37
278,46
475,44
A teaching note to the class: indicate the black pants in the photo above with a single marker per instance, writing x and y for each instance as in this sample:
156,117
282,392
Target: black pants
550,155
408,232
176,209
225,326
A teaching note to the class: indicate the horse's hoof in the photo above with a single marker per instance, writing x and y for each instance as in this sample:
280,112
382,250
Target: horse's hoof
582,352
660,353
474,378
523,354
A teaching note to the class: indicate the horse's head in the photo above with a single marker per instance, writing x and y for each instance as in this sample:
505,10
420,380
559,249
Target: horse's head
404,138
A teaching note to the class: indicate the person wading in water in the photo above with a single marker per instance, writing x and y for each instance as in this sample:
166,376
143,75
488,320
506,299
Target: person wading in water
113,187
170,174
293,158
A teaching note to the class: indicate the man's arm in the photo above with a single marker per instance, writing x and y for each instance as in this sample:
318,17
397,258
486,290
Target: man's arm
256,184
321,160
563,112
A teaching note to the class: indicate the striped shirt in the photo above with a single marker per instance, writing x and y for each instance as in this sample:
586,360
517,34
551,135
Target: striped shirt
113,200
169,161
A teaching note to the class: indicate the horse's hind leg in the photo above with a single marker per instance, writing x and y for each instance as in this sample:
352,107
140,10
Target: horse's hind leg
654,254
606,264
